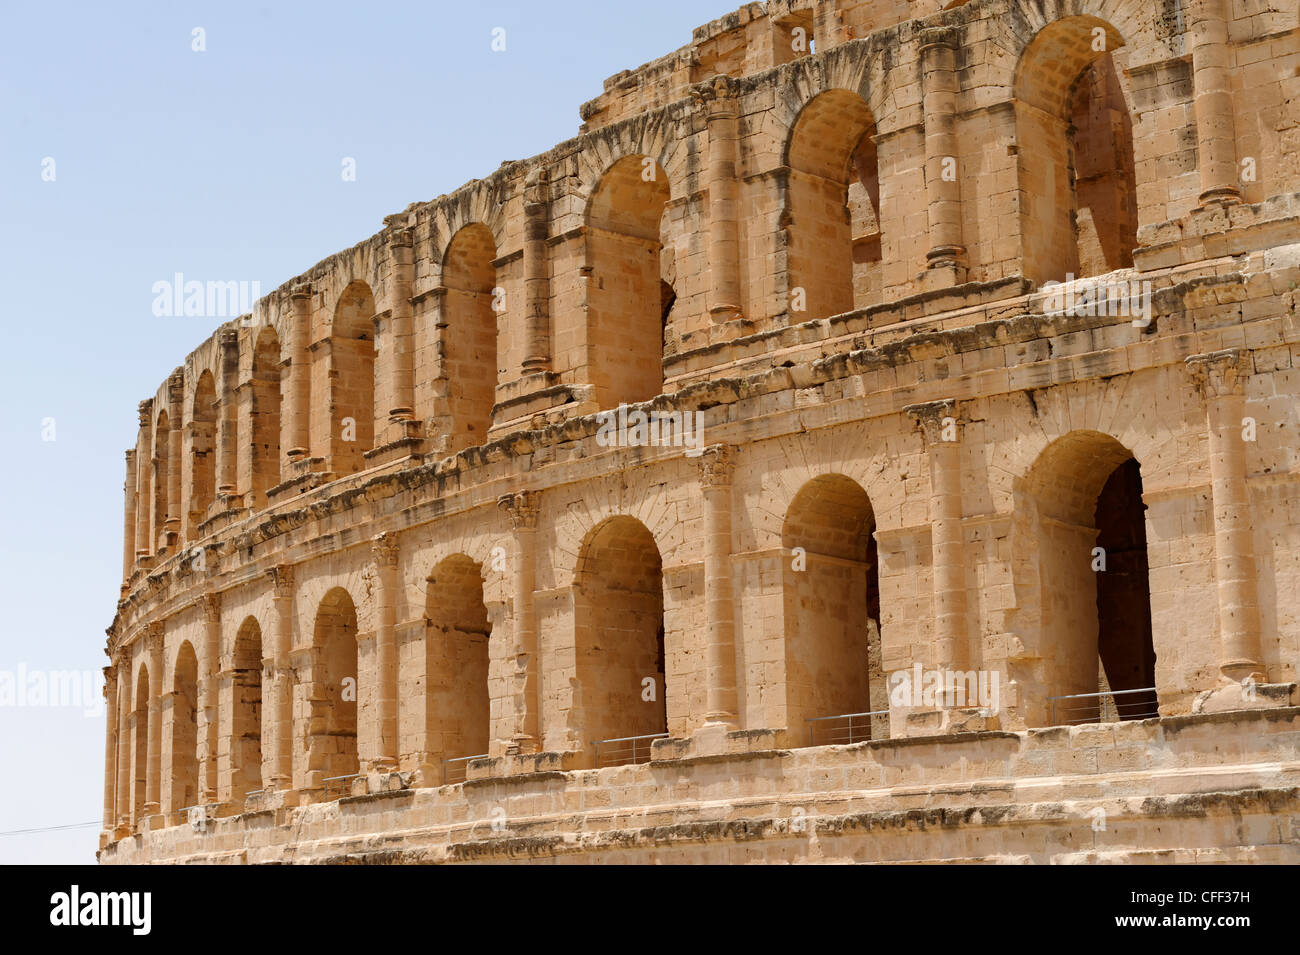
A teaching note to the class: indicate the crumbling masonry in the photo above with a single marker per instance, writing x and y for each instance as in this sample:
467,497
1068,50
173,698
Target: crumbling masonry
391,593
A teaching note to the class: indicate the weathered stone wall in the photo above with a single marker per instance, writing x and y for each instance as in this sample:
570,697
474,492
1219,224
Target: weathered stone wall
1065,796
376,525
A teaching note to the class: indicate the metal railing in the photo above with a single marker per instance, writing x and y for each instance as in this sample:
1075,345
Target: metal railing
340,783
848,728
454,770
1076,709
625,750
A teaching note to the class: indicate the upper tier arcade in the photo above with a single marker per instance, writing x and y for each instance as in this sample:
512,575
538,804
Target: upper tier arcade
976,325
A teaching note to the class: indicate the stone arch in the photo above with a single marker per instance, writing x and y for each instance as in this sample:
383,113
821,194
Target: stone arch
184,700
351,379
140,745
482,203
656,135
831,602
470,356
833,206
331,741
457,631
162,465
618,603
1076,167
1092,608
264,388
246,711
628,298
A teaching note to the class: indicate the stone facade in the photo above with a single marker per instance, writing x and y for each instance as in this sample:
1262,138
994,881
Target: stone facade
948,338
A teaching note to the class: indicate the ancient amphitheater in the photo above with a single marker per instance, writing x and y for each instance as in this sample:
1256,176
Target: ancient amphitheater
873,437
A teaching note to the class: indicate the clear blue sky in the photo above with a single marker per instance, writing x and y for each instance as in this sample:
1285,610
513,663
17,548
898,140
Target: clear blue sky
223,165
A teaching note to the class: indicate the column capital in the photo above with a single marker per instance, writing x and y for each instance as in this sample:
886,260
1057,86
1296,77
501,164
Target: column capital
151,640
937,420
521,508
228,338
537,190
717,96
717,465
281,581
210,604
385,549
403,238
300,291
939,36
1221,373
145,411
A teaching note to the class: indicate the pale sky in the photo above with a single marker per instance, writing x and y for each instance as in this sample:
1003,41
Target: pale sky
222,165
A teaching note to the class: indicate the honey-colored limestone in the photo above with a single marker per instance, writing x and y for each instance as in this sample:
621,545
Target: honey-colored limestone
398,587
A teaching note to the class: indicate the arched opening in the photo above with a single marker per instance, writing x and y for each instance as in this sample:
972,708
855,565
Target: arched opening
833,249
203,490
184,731
470,339
1094,597
140,745
831,597
332,743
352,380
161,473
456,661
792,36
265,386
1078,187
629,289
619,639
246,718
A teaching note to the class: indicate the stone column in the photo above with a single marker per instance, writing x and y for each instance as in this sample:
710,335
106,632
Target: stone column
716,467
295,431
174,526
386,550
153,646
1219,376
210,695
143,456
129,518
402,324
721,109
943,187
227,436
110,746
1216,140
125,775
938,423
522,510
537,283
279,713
